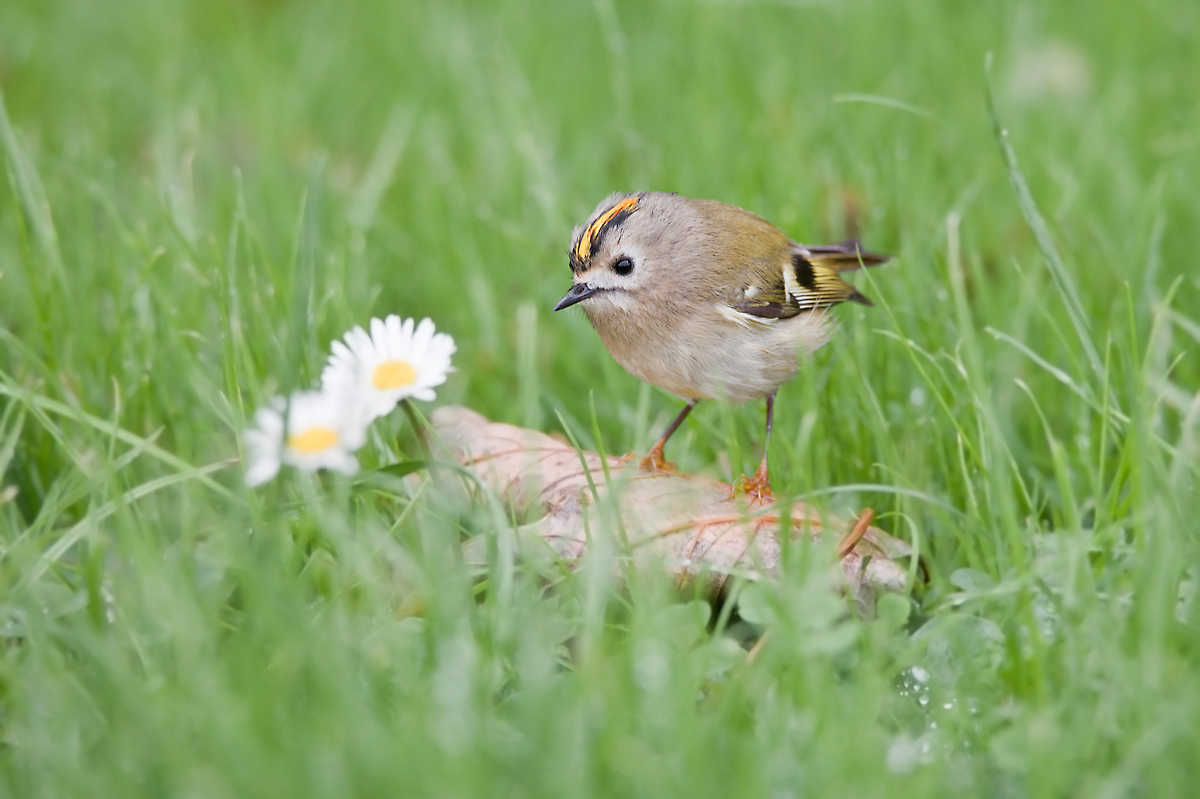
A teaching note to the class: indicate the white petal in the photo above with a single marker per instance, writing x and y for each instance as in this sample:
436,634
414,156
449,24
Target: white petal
340,353
423,336
269,422
263,444
261,470
379,333
346,464
380,403
394,326
443,346
341,370
433,379
360,343
405,341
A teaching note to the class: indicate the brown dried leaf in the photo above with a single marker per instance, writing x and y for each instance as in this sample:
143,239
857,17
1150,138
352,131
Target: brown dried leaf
694,527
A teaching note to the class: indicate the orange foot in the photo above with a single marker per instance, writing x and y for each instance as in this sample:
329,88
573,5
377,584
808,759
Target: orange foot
655,462
757,488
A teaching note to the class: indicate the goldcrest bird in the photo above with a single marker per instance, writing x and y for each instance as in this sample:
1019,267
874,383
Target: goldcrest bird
706,300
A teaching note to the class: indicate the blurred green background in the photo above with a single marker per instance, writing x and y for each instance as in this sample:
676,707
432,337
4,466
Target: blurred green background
201,195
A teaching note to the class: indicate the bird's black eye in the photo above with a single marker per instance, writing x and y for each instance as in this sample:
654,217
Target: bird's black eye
623,266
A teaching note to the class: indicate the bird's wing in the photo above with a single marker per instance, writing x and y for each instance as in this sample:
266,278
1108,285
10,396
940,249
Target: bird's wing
806,280
777,278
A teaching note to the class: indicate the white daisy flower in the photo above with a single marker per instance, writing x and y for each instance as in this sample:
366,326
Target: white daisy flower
322,430
394,362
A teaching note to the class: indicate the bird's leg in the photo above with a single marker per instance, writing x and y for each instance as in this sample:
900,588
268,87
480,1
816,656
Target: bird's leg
654,460
759,486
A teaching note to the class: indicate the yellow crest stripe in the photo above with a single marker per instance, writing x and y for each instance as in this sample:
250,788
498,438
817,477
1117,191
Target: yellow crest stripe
584,247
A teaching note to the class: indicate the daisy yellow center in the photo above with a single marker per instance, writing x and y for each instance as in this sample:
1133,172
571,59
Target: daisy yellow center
314,439
393,374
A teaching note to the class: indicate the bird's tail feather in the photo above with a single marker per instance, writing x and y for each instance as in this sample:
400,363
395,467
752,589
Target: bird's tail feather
845,256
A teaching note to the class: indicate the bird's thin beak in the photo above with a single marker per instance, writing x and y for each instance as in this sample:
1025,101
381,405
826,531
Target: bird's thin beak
578,293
